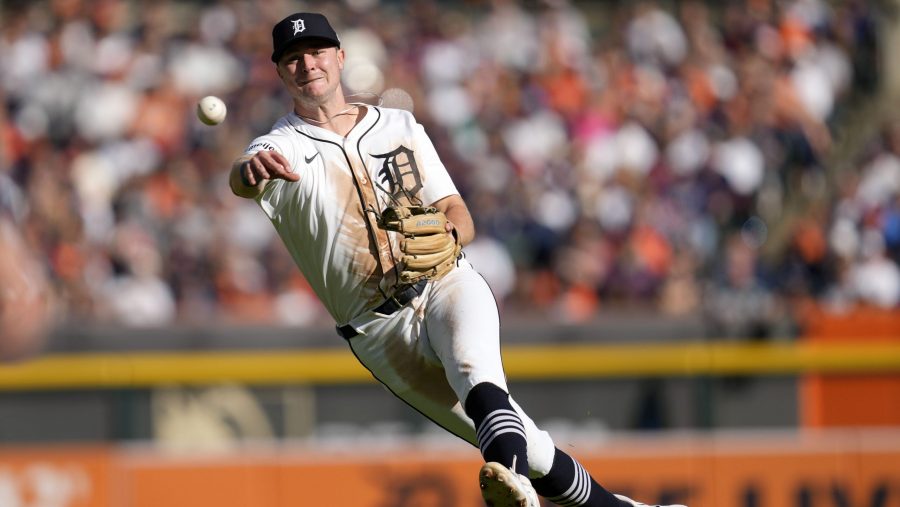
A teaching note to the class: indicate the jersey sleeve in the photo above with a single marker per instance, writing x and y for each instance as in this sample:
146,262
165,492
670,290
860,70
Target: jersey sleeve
272,198
274,141
438,183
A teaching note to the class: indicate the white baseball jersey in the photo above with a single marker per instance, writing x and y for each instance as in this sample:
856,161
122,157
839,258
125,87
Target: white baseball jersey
320,218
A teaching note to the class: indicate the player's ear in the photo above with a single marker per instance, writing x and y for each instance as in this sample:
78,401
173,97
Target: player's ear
340,58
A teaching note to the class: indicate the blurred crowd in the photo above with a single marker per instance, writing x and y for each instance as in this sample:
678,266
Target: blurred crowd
639,154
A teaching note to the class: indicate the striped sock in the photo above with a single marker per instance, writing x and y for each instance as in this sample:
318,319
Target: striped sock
499,429
568,484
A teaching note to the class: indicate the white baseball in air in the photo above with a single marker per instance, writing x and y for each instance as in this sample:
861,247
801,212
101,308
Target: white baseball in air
211,110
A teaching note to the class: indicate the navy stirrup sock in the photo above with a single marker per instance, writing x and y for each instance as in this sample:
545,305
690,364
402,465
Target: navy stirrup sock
500,432
569,485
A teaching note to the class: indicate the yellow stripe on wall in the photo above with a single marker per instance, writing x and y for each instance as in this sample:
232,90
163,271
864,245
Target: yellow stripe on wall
604,361
542,362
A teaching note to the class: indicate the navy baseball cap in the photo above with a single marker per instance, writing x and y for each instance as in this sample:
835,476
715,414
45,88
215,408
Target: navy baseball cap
301,26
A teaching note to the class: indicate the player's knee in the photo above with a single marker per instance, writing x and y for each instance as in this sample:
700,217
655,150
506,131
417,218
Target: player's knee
540,452
541,449
484,398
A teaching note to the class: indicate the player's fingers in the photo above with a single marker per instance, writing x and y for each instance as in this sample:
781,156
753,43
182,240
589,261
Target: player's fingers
451,229
289,173
278,166
247,175
259,169
285,171
278,157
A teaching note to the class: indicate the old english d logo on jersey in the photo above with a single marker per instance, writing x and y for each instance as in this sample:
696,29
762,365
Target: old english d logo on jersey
400,172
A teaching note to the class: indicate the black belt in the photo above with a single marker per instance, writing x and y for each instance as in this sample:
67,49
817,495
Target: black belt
390,305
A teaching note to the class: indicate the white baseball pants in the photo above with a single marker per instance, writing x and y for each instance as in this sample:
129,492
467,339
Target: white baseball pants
431,352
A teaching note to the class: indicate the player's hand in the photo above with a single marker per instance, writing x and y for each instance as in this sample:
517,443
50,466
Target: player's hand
266,165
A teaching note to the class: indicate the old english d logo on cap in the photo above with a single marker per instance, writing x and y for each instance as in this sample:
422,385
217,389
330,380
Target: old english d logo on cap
301,26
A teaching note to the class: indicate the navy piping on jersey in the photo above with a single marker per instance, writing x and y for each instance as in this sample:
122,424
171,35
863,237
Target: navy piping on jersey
359,152
362,199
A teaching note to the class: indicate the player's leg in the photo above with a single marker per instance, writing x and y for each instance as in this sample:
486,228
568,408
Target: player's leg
554,474
501,436
390,348
390,351
559,477
462,327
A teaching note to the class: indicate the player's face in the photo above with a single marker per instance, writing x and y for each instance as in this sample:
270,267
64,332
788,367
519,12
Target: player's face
311,71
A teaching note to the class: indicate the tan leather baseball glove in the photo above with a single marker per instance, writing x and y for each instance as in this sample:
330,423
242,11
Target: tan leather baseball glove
429,251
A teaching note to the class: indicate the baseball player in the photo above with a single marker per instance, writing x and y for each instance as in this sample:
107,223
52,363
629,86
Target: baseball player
372,219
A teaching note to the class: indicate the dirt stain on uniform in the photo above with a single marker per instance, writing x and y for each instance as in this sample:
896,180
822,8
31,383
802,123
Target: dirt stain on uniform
421,375
354,236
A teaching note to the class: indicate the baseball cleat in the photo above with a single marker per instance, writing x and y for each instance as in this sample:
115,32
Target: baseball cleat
502,487
639,504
